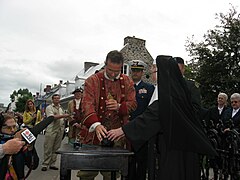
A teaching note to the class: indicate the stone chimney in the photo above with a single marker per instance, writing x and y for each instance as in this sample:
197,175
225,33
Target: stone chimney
134,41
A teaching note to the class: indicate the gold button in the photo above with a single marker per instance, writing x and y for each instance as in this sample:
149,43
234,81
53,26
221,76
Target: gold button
101,107
101,97
100,117
122,86
121,78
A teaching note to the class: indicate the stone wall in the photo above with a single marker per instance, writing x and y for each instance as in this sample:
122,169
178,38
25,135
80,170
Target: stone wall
134,49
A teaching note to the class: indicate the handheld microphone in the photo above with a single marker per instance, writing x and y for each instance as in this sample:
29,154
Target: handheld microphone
30,134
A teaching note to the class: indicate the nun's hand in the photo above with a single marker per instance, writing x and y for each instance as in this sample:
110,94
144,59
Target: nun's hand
115,134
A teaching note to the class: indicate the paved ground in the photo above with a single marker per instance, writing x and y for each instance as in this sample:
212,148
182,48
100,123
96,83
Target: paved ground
49,174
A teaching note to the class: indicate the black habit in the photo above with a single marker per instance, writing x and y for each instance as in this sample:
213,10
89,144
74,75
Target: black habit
172,121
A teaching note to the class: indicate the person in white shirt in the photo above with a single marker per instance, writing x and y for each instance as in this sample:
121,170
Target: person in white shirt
232,115
216,112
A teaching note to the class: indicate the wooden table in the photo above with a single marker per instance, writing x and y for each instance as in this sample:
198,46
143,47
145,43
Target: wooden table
91,157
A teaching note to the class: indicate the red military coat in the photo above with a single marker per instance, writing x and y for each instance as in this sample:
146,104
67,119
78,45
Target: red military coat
96,91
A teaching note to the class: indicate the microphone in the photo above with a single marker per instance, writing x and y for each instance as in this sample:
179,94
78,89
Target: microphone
30,134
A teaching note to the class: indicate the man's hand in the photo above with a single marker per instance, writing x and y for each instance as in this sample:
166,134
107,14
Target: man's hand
58,116
115,134
18,134
101,132
66,115
77,125
112,105
12,146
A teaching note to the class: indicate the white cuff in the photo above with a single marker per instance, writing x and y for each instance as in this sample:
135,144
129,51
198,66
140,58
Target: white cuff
93,126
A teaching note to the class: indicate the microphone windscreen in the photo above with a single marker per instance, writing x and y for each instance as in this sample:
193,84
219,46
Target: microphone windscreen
29,135
38,128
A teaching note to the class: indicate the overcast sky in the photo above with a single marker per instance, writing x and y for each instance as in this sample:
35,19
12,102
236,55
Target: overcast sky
43,41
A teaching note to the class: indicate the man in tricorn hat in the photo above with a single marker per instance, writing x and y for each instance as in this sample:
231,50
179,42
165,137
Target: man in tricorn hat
74,108
144,91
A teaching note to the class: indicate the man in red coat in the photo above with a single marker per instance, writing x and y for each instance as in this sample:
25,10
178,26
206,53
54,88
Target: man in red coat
108,98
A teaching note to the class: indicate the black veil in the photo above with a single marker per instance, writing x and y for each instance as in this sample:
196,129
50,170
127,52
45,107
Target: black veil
181,129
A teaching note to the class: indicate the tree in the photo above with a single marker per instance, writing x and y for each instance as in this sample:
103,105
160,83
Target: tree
215,61
23,95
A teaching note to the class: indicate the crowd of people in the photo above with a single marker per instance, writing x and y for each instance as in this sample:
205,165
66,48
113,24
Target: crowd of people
162,119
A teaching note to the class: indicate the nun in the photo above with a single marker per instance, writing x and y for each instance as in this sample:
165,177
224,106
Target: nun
169,120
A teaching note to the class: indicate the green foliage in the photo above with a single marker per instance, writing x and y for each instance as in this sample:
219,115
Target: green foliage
215,61
188,72
23,95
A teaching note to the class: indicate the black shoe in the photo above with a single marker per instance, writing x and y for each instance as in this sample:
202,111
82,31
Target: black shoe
53,168
44,168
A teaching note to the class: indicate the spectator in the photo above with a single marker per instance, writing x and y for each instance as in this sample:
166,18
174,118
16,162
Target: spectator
14,163
54,133
216,113
231,117
31,115
74,108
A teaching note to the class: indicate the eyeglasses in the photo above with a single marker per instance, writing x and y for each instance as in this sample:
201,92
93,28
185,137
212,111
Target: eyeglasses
9,127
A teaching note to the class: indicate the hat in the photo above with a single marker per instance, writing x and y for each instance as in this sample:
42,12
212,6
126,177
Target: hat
78,90
137,64
179,60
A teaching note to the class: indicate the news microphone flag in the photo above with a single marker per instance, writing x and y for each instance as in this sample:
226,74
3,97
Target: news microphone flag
28,136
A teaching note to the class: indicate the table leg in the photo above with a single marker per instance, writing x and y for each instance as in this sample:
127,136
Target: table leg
65,175
123,177
113,175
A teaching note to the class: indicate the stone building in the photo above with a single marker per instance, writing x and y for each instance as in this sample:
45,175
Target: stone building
135,49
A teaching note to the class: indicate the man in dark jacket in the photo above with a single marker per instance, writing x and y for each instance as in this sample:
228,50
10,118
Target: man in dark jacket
215,113
231,117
